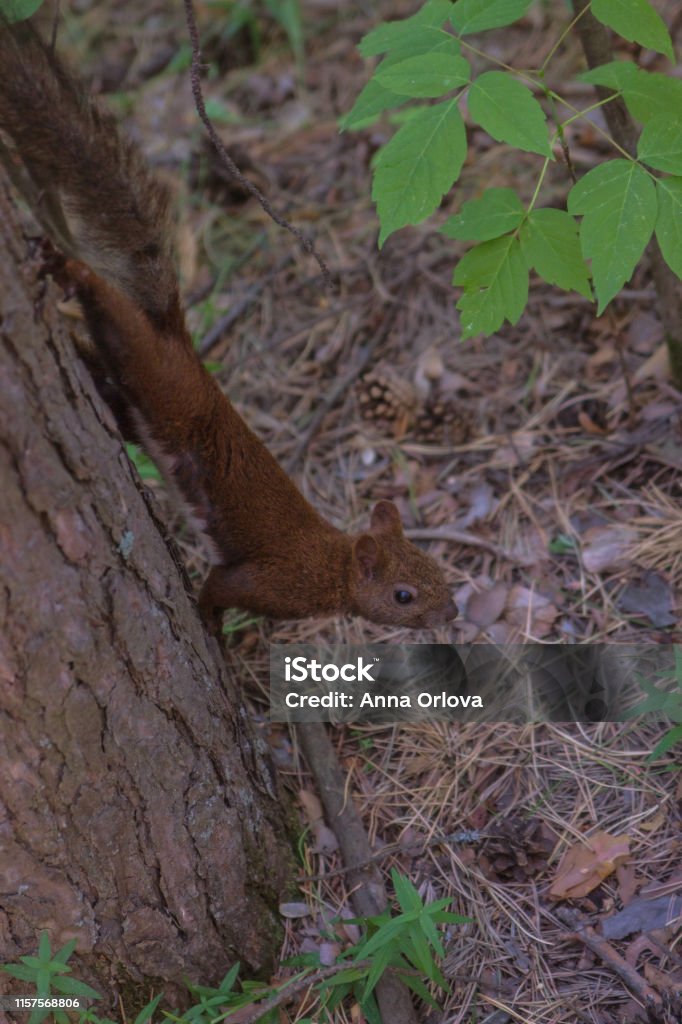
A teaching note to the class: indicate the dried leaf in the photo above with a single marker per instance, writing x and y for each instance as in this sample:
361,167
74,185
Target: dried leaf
294,909
325,840
482,504
530,611
312,807
652,597
607,547
328,953
486,606
642,915
585,865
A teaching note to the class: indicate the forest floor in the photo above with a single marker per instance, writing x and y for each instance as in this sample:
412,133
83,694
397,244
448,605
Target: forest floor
555,447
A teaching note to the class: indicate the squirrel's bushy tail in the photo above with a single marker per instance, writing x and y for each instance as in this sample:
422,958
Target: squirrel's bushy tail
90,188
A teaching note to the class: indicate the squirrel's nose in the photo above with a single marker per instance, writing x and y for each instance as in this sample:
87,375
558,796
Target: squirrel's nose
451,611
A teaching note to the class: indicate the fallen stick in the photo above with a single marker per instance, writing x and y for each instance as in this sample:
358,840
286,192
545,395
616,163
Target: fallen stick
582,932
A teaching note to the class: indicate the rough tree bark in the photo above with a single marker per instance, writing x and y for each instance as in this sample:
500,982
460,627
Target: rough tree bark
138,813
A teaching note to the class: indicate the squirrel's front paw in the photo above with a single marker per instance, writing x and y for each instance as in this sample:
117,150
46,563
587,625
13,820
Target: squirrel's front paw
53,263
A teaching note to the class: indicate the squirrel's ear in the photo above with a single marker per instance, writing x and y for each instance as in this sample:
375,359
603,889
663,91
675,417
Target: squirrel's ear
366,555
386,519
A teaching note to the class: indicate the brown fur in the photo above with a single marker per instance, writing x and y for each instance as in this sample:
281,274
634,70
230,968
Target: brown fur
276,556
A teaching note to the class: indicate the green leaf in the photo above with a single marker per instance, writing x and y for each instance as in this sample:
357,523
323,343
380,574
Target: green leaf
420,954
636,21
380,962
651,93
228,982
37,1016
387,934
74,987
495,278
669,740
422,39
147,1011
418,987
369,1008
375,97
371,102
44,948
333,997
551,246
426,75
669,223
43,980
387,37
20,971
344,977
646,94
478,15
618,203
409,899
496,212
445,918
660,144
418,166
508,111
63,955
143,464
616,75
19,10
431,932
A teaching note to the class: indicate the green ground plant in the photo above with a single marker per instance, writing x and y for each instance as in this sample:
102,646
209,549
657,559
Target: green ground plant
663,698
408,944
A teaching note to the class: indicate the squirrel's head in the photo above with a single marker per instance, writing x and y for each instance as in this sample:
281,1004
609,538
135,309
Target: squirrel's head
393,582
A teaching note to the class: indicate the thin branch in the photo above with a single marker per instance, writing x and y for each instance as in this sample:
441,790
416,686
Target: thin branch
582,932
195,78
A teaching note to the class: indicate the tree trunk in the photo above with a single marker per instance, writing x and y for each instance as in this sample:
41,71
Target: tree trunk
138,813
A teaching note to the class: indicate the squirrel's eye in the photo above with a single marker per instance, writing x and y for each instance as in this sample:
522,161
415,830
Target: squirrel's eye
403,596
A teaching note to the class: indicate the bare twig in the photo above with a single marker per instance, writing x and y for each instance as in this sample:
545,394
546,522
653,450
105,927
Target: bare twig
469,539
581,931
195,77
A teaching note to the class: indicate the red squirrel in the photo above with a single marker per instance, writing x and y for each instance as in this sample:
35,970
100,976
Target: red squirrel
273,553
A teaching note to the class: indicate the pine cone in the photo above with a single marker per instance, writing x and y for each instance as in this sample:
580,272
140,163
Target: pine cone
518,851
442,421
387,402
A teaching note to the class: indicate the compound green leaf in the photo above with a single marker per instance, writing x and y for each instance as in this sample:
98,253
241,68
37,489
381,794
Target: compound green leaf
508,111
426,75
478,15
619,208
669,223
495,278
388,36
636,21
417,167
551,245
660,144
496,212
